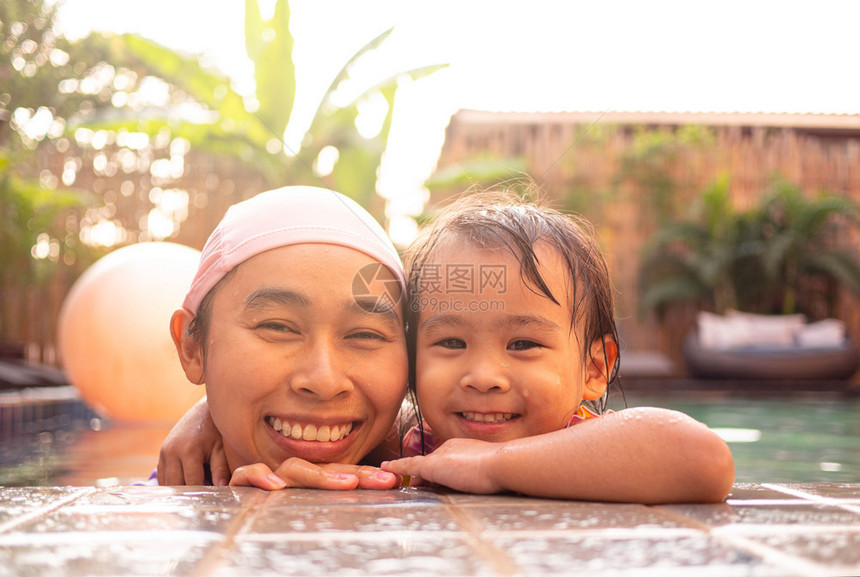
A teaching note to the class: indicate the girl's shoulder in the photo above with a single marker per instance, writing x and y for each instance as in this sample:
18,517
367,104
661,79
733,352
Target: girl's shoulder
419,440
583,413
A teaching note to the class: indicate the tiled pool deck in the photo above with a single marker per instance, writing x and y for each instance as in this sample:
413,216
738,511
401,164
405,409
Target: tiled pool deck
768,529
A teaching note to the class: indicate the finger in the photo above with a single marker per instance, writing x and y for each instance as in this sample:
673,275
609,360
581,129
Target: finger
375,478
169,471
368,477
300,473
402,466
256,475
218,467
193,471
161,469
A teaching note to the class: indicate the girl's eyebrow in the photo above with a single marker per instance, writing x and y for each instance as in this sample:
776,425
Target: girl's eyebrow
443,321
538,322
268,296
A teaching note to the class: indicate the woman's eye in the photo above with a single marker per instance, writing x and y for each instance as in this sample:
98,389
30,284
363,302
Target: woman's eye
523,345
369,335
277,327
451,343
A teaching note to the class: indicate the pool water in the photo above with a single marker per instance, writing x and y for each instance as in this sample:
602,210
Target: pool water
799,438
775,438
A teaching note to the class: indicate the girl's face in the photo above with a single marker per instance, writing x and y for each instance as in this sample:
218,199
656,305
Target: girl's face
495,359
295,366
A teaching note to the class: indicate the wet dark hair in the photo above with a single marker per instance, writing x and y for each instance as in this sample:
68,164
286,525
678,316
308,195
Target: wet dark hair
198,328
504,220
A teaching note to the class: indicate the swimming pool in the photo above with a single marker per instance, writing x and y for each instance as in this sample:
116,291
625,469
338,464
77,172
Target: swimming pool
808,437
774,438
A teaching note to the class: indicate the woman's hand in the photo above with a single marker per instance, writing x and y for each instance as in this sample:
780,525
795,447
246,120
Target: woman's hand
460,464
295,472
193,442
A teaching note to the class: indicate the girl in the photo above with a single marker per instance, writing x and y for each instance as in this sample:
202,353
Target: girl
512,342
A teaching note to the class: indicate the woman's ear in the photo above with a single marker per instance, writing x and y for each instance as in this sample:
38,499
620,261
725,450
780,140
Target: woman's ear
187,347
601,363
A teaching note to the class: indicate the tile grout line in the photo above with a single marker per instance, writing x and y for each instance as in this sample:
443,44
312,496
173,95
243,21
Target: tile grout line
796,492
498,559
767,554
213,558
775,557
835,502
681,518
53,506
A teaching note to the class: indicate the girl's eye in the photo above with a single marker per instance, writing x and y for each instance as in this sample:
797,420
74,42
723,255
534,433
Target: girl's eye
451,343
523,345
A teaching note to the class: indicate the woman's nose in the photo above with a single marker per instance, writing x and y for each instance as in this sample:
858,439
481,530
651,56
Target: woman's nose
486,373
321,371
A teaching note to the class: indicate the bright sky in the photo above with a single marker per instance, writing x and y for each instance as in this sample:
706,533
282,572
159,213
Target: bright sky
658,55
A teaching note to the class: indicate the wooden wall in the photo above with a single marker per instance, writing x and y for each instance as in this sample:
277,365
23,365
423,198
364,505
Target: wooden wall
576,158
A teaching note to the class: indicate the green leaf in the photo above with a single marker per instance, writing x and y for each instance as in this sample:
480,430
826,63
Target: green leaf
275,72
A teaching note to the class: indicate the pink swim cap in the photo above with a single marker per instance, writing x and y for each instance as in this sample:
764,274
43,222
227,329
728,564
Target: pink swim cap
285,216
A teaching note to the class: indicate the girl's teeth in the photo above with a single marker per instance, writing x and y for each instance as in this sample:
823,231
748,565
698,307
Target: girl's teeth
310,432
488,417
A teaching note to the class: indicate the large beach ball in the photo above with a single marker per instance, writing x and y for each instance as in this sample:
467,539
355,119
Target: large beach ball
114,334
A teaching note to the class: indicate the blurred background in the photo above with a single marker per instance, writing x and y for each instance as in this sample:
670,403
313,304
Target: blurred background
686,133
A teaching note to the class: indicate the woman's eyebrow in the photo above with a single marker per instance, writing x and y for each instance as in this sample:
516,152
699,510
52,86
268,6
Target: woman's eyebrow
372,306
268,296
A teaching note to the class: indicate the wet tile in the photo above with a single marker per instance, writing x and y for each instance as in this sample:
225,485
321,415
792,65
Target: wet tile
536,515
83,519
18,501
171,498
97,554
748,491
354,519
773,516
402,496
465,499
833,490
838,550
407,554
672,554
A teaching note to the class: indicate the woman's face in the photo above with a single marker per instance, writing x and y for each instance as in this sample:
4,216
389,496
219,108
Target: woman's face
297,363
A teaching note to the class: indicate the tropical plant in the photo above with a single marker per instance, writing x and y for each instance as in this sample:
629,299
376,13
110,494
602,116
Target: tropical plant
758,260
650,162
252,129
99,113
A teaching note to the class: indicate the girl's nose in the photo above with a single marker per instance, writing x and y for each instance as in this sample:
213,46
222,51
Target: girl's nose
486,374
321,372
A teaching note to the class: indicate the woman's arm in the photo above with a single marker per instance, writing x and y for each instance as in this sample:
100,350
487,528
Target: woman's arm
639,455
193,442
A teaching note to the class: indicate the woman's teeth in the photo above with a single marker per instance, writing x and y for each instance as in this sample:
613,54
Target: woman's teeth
487,417
310,432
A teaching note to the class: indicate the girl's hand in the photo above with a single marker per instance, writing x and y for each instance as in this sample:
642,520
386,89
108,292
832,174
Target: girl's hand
297,472
460,464
193,442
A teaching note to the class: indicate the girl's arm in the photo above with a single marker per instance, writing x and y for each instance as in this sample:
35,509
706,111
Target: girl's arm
639,455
